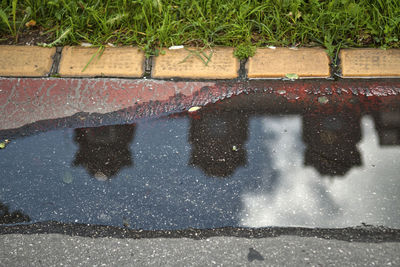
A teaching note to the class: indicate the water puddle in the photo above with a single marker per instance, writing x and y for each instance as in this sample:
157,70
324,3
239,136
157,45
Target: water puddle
248,161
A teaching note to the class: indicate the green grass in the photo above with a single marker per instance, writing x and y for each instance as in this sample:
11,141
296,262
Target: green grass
243,24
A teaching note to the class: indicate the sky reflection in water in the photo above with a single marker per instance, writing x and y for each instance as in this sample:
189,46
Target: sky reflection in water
207,171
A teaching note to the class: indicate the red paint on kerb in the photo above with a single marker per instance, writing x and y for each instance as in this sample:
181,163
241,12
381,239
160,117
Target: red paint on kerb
5,91
126,93
40,99
26,100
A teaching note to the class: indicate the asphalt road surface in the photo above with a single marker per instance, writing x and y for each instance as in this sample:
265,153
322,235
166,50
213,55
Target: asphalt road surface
61,250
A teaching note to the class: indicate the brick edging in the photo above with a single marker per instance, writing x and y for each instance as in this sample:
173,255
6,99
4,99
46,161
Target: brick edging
190,63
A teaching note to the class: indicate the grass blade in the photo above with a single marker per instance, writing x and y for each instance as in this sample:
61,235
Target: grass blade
14,14
62,36
98,53
4,17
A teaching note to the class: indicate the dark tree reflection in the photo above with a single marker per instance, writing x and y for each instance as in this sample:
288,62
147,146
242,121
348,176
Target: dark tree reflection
7,217
331,142
218,141
104,151
387,124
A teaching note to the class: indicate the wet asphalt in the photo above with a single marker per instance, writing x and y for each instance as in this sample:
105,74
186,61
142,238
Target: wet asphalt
253,180
62,250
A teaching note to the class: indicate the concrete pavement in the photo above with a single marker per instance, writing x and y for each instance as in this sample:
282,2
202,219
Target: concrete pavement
62,250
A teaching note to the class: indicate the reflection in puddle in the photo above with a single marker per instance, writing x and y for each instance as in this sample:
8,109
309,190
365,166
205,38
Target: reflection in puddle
7,217
331,142
218,142
224,165
367,193
104,150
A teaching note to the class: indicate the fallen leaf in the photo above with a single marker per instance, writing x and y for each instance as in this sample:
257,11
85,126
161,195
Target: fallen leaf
4,144
292,76
68,178
193,109
125,222
30,23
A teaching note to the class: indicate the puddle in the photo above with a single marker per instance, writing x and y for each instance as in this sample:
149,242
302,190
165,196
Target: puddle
248,161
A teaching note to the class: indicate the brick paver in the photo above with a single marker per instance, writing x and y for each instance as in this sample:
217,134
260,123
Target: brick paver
370,62
113,62
278,62
188,64
30,61
192,63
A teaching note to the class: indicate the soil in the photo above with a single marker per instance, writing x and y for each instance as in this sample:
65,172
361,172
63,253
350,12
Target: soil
33,36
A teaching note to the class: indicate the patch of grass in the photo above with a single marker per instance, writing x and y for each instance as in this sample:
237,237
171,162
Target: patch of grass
152,24
12,26
243,51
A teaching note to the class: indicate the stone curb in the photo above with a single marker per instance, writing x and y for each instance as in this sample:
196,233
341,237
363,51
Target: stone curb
29,61
115,62
189,63
216,63
369,62
279,62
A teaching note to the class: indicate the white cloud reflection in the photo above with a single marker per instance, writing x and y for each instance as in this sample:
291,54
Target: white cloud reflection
369,194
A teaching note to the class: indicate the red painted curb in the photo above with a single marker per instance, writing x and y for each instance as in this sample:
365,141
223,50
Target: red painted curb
27,100
24,100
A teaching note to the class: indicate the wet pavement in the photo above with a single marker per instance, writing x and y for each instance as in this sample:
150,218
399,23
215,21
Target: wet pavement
117,172
253,160
34,250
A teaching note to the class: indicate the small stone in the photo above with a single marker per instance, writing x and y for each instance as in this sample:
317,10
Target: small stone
175,47
100,176
86,44
281,92
323,99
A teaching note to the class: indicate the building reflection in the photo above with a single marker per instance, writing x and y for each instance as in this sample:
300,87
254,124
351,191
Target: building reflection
218,137
331,142
218,141
7,217
104,151
387,124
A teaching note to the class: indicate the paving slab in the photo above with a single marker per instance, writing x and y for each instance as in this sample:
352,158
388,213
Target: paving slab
113,62
30,61
278,62
370,62
191,63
